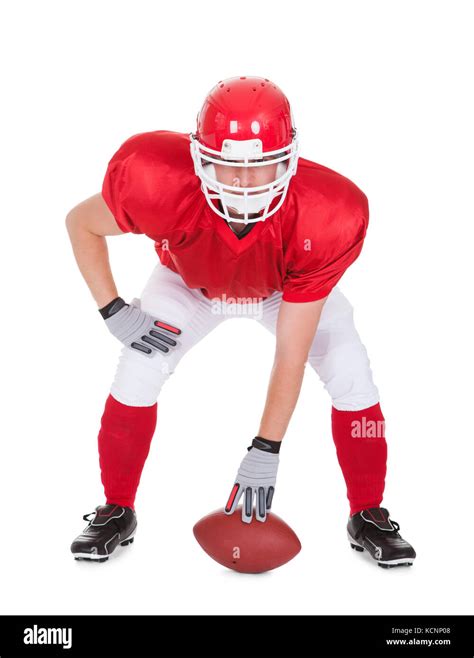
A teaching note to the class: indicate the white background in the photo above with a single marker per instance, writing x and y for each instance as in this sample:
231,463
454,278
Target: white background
382,92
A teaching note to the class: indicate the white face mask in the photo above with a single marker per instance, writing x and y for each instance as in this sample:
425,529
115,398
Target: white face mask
244,201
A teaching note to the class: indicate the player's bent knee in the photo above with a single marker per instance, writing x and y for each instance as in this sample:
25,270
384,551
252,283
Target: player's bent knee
352,392
138,379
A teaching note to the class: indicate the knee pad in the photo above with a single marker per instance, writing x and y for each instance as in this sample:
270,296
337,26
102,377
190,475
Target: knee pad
138,380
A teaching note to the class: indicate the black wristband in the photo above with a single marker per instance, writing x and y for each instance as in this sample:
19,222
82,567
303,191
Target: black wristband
112,307
266,445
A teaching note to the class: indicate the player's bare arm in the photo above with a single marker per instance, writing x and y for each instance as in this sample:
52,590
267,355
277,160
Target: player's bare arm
88,224
296,327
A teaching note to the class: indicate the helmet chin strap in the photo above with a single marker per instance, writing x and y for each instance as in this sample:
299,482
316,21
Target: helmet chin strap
238,203
240,215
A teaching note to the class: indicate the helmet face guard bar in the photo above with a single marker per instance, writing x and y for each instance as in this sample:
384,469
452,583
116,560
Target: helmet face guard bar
249,154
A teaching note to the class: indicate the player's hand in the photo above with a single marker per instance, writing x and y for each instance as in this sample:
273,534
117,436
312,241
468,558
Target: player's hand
137,329
255,478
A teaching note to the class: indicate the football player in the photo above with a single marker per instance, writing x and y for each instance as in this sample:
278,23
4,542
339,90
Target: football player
242,225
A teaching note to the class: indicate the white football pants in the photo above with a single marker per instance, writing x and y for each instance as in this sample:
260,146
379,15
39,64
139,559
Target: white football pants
337,353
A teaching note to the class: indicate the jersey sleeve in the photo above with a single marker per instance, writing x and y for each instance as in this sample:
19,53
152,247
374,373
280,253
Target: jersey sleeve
116,189
320,258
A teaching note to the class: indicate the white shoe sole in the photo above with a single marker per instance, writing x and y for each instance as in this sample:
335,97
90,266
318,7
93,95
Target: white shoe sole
389,563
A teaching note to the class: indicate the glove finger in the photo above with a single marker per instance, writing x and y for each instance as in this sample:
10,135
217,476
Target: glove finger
155,344
166,326
261,511
270,492
160,336
235,495
143,349
247,505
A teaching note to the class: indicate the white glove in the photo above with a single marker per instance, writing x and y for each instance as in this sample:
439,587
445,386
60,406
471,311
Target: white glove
137,329
256,477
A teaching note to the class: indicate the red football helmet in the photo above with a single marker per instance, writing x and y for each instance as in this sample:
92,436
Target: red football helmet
245,148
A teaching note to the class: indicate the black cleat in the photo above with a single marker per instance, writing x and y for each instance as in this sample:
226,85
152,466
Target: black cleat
112,525
373,530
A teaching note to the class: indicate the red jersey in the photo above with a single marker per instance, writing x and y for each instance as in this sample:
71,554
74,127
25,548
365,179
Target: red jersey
302,250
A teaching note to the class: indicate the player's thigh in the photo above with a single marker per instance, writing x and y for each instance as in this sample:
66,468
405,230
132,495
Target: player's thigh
335,307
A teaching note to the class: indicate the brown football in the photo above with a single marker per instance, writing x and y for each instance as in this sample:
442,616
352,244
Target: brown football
246,547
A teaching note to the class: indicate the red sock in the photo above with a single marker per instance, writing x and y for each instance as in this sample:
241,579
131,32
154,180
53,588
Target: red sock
124,442
359,437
